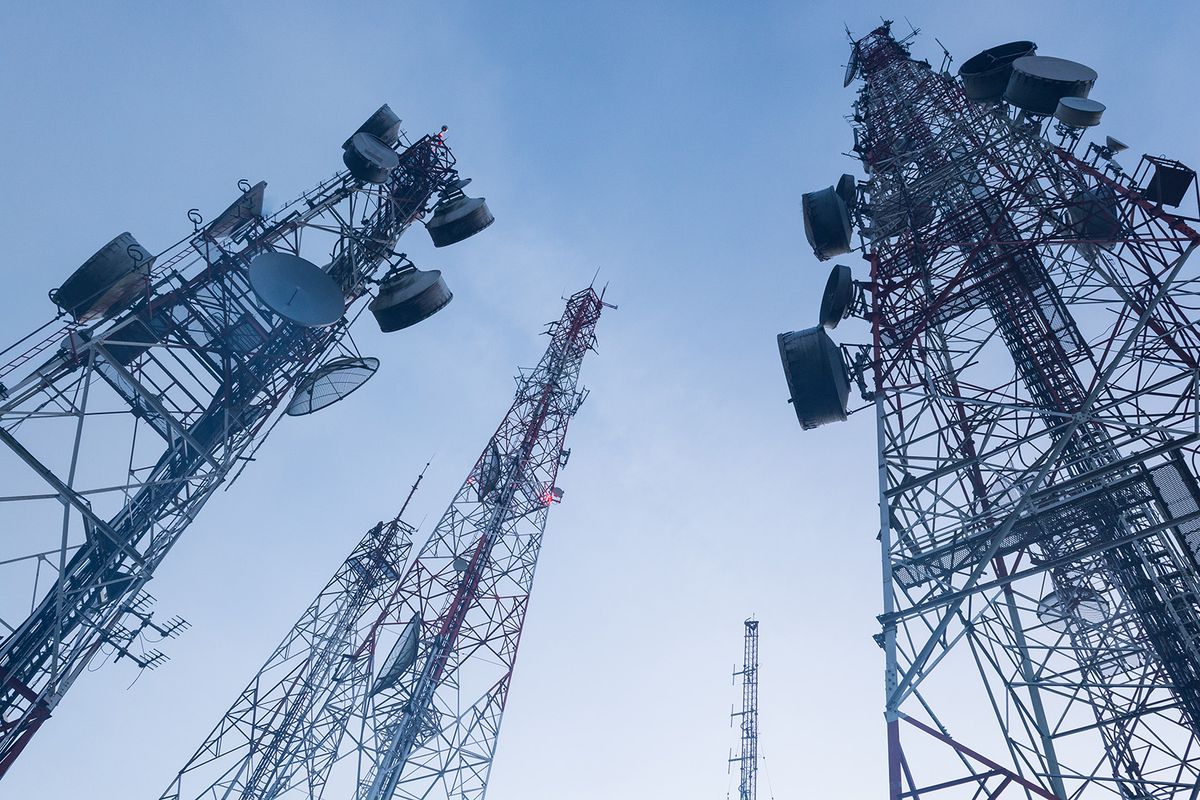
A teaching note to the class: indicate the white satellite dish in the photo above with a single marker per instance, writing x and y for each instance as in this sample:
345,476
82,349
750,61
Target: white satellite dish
296,289
330,383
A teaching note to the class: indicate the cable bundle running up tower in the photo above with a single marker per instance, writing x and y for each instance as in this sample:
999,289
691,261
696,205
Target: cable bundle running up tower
164,373
747,757
1033,366
393,684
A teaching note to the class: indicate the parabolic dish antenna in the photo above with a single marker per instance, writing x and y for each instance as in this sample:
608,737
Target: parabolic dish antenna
838,295
851,67
330,383
296,289
489,471
402,656
1114,144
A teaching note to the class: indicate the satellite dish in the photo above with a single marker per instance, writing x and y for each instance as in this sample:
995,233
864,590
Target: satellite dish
457,217
369,159
409,297
296,289
330,383
489,471
851,67
838,295
1115,145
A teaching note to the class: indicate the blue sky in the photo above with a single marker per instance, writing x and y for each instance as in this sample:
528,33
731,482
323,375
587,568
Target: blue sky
666,145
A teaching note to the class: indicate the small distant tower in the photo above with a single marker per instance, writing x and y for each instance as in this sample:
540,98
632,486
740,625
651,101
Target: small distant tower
747,758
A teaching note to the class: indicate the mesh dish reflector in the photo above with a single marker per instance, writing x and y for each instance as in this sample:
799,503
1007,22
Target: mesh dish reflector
817,378
402,656
1072,605
332,382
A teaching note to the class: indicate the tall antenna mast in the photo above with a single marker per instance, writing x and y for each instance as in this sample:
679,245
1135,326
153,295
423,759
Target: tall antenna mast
1031,367
393,684
163,374
747,758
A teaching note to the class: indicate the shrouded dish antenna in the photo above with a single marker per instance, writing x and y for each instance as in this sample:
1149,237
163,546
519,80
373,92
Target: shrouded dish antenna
1037,83
296,289
330,383
847,189
384,125
456,216
409,297
402,656
369,159
107,282
826,223
1115,145
1079,112
837,297
245,209
817,378
985,75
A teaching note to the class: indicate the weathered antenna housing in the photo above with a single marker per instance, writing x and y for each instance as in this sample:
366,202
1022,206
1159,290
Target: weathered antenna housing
816,375
107,282
985,75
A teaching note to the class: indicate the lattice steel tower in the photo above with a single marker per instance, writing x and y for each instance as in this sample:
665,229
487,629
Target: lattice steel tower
394,681
1033,370
164,373
747,757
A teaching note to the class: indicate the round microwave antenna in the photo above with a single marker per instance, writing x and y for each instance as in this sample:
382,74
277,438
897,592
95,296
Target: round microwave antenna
1079,112
489,471
107,282
457,217
409,297
826,222
851,67
985,75
369,159
1114,145
847,189
1037,83
296,289
837,297
332,382
817,378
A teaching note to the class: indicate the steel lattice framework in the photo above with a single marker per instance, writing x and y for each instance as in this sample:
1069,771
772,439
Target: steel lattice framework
402,693
747,757
1036,392
118,432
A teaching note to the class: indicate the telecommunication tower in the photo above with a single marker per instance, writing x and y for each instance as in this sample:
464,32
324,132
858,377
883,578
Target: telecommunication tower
1033,370
163,374
394,682
747,757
